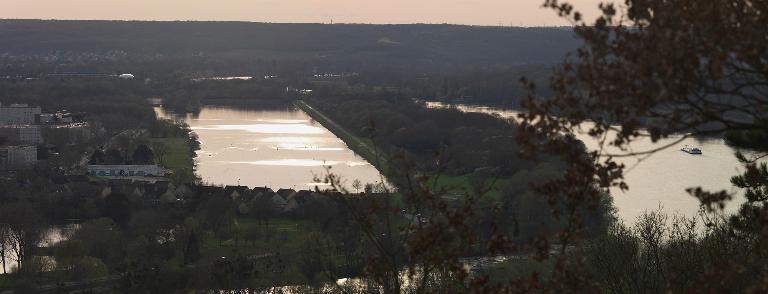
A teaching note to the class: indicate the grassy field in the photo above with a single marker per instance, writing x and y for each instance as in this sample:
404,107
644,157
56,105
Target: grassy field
461,185
279,244
176,156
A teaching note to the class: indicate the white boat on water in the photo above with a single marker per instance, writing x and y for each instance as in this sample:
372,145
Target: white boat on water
691,150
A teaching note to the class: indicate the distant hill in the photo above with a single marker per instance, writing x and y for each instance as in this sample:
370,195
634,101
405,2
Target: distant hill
351,47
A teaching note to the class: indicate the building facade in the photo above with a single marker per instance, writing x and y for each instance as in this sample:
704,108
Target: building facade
119,171
21,134
17,157
19,114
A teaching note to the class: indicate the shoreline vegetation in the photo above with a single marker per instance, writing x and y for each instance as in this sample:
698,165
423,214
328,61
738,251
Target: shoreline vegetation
455,185
362,146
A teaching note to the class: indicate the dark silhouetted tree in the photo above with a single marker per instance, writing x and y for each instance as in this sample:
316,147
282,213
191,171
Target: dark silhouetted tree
143,155
117,206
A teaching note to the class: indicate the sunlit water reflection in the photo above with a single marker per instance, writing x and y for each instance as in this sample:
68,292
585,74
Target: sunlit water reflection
275,148
50,237
659,179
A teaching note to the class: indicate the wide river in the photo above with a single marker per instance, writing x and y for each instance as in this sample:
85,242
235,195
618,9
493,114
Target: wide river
660,180
286,149
282,148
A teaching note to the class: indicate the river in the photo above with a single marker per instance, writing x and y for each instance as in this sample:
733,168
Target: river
281,148
659,180
285,148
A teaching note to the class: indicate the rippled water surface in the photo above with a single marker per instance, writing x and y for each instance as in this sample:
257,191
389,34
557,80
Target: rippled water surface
275,148
660,179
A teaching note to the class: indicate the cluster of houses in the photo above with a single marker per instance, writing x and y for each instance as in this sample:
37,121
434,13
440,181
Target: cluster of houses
163,193
149,193
286,201
127,171
21,128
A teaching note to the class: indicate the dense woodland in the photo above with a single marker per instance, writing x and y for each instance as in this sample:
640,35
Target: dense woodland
239,48
461,142
479,64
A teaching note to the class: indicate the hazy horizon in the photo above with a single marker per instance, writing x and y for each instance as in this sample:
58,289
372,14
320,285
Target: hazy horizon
463,12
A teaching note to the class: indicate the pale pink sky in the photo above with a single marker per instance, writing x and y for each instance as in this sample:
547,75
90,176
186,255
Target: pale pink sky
477,12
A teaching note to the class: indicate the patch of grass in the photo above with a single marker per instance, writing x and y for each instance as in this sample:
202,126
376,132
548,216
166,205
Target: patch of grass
281,242
520,267
456,186
6,282
175,154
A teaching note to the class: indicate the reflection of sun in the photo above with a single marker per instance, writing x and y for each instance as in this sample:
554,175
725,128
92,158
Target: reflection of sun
294,140
300,162
304,147
268,128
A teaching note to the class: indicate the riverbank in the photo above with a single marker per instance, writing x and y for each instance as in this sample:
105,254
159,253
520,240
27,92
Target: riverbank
363,147
454,185
176,154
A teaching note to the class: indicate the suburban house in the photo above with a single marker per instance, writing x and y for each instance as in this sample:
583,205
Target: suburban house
235,192
285,192
120,171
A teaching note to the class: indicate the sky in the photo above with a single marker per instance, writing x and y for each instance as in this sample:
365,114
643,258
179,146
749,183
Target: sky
470,12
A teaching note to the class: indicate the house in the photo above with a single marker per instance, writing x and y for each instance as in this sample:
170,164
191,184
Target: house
88,189
119,171
169,197
278,202
301,196
137,192
183,191
158,192
262,192
285,193
298,199
235,192
209,191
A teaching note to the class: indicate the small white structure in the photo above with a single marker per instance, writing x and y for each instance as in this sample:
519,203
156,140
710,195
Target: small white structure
121,171
126,76
18,114
56,118
47,118
17,157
